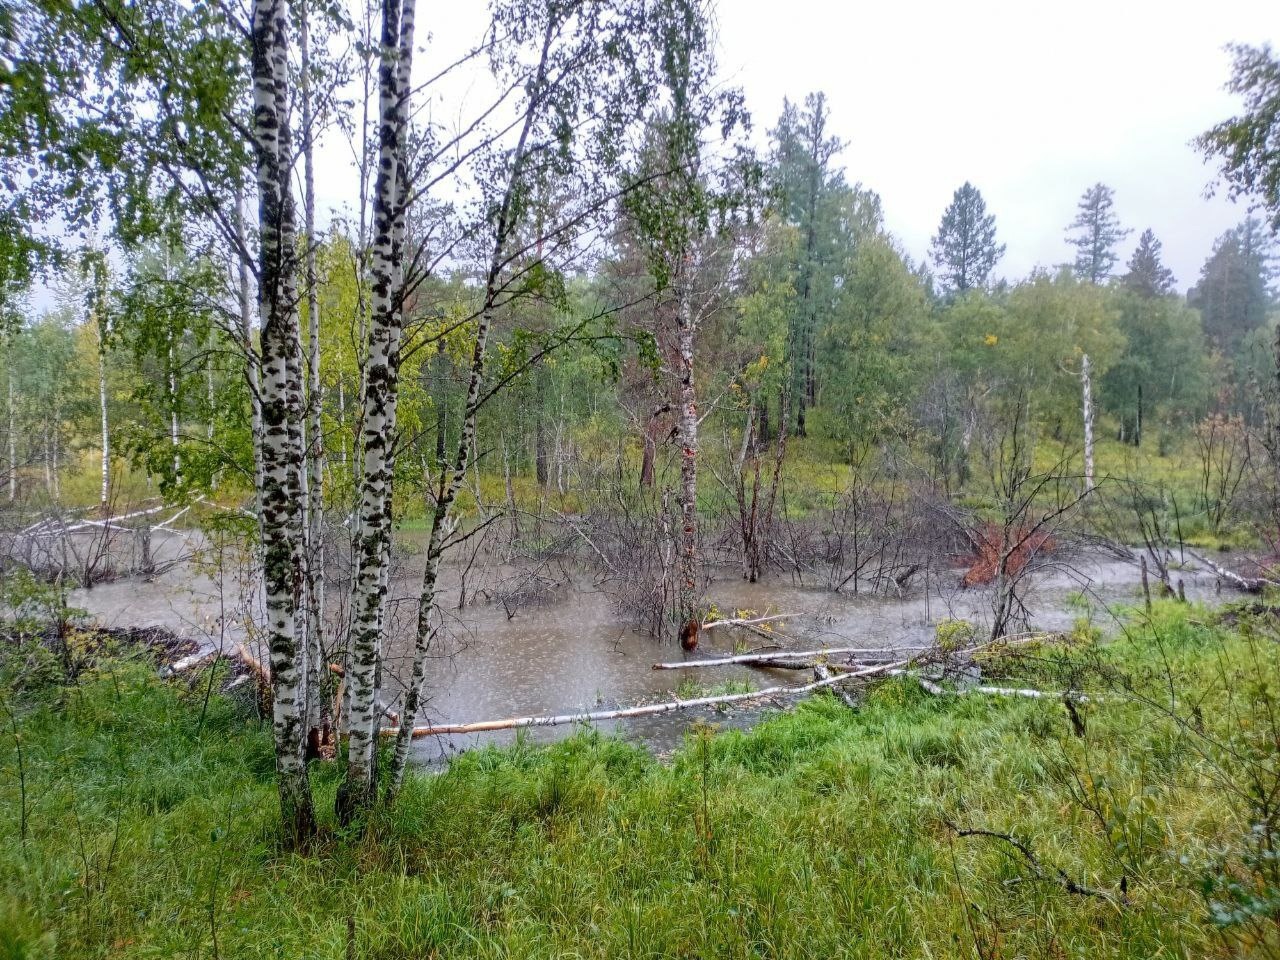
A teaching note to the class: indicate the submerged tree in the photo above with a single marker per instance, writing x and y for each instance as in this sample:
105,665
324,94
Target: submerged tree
1098,231
964,249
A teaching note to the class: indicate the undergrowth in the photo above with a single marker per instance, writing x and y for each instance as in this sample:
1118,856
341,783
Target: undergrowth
1137,823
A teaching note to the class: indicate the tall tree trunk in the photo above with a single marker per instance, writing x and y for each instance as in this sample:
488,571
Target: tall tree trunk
452,480
100,325
13,434
174,429
1086,389
252,368
358,790
688,569
281,412
317,712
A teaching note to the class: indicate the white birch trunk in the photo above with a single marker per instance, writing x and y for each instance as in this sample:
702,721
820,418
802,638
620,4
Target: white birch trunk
281,410
1086,389
100,322
173,413
13,438
688,570
378,421
314,477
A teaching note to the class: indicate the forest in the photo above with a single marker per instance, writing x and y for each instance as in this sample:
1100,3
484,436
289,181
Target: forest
508,499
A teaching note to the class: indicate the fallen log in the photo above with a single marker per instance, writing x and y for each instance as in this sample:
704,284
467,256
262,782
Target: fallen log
746,621
1245,584
515,723
940,691
764,658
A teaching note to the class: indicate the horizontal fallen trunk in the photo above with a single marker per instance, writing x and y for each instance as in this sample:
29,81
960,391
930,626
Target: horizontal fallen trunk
515,723
747,621
1246,584
764,658
939,691
894,668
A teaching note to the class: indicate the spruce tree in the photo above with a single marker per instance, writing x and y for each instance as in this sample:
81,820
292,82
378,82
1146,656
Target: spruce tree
1232,293
965,249
1099,232
1148,276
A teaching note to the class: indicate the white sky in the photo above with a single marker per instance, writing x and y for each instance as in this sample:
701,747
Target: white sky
1031,101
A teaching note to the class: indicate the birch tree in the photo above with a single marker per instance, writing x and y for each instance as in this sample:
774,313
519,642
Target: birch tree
381,370
94,267
281,505
679,216
587,75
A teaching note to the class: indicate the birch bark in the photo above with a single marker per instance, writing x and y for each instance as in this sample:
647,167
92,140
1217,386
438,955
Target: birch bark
378,419
687,566
281,407
1086,389
314,477
100,323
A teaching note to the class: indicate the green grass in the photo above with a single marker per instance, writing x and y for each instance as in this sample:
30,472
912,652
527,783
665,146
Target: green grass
820,833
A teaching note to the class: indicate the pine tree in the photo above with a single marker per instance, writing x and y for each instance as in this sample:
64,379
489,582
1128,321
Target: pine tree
1099,232
1232,293
965,249
1148,276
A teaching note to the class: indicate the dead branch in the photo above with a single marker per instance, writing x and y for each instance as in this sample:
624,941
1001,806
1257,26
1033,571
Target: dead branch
1052,874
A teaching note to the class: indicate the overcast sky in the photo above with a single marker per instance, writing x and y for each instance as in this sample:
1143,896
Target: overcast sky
1031,101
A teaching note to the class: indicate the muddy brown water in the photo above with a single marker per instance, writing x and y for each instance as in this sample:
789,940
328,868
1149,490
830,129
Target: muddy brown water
575,653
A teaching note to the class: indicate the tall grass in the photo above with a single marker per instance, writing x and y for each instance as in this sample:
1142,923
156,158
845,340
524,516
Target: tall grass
822,832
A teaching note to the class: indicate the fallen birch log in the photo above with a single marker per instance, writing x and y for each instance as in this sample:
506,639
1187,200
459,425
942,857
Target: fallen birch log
764,658
652,709
1245,584
940,691
746,621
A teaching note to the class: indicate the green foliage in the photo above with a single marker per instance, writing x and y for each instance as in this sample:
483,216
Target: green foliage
1098,233
954,634
1246,144
1147,275
820,833
964,249
878,328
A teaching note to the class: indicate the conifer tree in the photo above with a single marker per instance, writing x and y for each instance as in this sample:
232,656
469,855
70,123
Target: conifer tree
965,249
1148,276
1098,233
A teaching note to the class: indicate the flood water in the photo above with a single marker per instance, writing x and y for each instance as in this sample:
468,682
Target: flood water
574,653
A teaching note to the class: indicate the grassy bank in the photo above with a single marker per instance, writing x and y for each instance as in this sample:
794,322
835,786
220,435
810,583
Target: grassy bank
149,820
